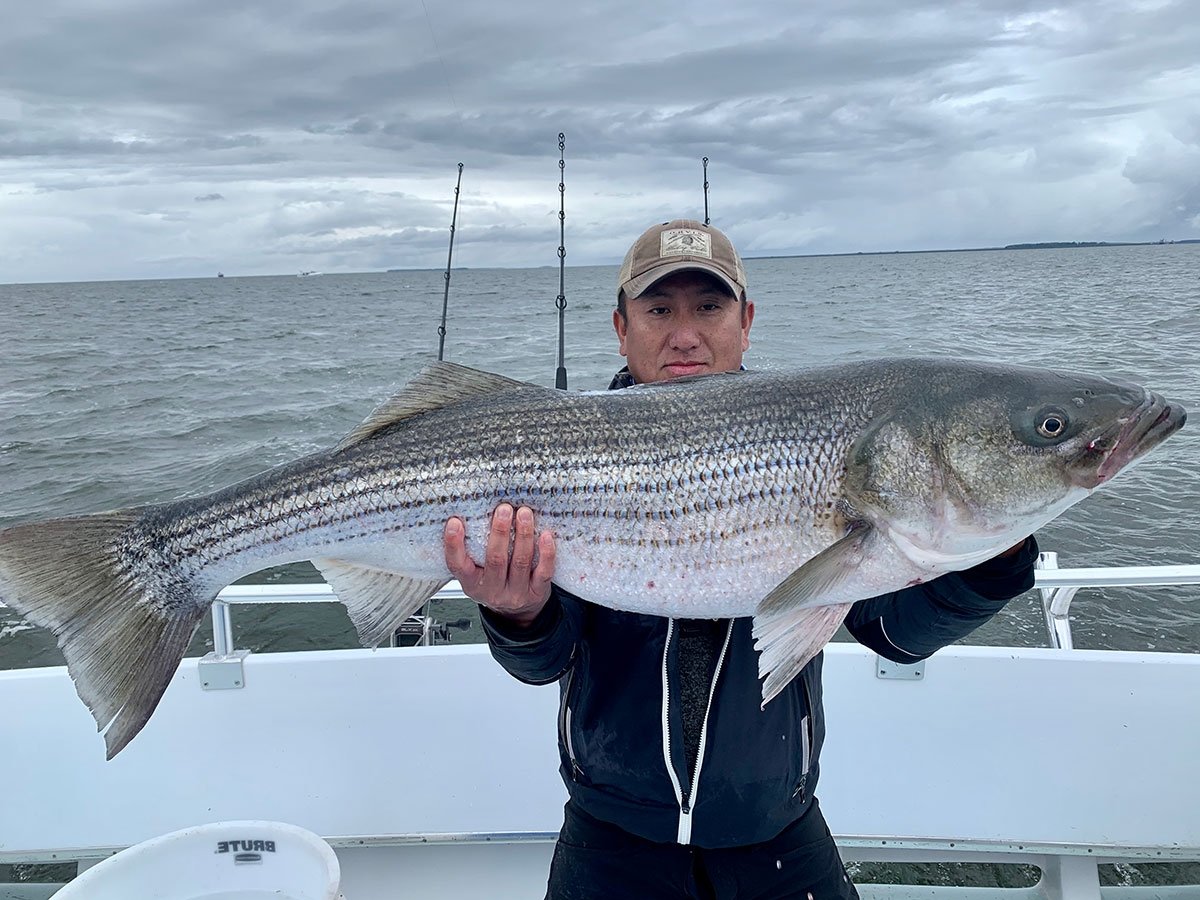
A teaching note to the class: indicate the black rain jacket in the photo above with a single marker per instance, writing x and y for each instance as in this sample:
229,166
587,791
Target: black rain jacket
620,730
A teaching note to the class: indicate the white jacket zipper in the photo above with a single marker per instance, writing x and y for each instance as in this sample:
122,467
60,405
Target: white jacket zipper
684,814
684,832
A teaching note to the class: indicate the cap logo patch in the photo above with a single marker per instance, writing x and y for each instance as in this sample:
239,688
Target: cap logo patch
685,242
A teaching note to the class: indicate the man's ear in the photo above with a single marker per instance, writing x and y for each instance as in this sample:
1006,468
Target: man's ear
747,321
620,326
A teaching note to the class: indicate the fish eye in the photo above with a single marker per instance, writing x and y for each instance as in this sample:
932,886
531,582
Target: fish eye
1051,424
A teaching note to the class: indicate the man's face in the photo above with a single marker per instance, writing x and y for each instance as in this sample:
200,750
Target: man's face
686,324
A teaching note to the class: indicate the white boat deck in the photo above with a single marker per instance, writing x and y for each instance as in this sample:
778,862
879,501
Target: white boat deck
434,774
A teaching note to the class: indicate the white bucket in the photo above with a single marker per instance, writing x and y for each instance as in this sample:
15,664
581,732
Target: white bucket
221,861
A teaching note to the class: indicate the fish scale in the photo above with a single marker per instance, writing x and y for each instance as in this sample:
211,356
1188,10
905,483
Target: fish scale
575,488
782,495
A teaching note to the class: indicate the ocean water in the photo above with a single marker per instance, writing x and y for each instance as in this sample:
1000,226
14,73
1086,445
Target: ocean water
120,393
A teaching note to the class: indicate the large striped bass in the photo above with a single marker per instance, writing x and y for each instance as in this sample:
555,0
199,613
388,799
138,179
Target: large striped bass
786,496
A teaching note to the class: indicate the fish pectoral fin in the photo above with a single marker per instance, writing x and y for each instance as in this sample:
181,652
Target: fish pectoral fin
376,599
437,385
793,622
791,641
809,585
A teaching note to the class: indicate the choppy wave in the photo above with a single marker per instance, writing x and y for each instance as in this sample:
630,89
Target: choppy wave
130,392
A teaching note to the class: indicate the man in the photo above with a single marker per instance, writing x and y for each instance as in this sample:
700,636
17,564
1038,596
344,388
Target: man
680,785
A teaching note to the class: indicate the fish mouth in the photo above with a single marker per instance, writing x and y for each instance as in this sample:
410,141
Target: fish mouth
1148,425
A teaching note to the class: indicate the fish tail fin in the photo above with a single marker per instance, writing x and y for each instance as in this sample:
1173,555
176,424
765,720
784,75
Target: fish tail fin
790,640
122,625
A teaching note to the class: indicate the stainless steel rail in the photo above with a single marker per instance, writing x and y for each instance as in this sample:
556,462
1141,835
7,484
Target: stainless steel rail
1056,586
1059,586
286,593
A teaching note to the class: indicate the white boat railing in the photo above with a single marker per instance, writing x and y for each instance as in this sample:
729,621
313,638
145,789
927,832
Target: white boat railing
1059,586
251,594
1056,586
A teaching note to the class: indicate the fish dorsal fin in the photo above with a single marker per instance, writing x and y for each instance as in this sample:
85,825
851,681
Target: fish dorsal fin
437,385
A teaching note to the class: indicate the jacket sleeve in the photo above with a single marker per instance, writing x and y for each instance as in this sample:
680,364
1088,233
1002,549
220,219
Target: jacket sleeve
908,625
545,650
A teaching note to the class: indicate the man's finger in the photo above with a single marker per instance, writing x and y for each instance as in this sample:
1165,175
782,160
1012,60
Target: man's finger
495,561
539,580
522,551
454,547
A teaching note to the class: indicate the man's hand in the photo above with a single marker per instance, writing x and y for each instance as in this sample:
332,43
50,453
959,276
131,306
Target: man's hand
508,583
1014,549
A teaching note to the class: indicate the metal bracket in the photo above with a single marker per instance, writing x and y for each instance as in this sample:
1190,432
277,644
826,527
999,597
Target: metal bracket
885,668
222,673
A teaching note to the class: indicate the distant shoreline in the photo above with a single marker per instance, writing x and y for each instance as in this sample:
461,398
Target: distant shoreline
1033,245
1037,245
395,270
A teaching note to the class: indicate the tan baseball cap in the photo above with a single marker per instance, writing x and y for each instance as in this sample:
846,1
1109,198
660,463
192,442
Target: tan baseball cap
677,246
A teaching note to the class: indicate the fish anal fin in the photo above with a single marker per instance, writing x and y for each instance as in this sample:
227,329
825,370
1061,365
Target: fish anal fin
437,385
376,599
792,642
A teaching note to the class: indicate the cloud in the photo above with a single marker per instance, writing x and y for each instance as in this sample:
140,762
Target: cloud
331,132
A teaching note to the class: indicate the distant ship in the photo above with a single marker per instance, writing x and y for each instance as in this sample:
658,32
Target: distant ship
307,274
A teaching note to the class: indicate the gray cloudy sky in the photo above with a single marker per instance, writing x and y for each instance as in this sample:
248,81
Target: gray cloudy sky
161,138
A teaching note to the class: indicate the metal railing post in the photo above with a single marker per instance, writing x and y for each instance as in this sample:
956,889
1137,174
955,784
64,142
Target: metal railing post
1056,605
222,629
223,669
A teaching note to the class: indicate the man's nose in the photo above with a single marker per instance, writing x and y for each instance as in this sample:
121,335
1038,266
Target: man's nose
684,336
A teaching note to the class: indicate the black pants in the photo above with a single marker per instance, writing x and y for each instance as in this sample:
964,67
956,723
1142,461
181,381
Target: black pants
595,860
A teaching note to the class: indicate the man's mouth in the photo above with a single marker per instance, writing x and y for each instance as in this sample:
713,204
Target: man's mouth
685,367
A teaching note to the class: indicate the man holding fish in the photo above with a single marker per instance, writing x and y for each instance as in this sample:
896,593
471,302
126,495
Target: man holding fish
680,784
701,539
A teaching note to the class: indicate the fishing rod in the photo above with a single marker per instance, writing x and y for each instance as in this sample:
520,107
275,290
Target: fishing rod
704,161
560,376
425,638
449,256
